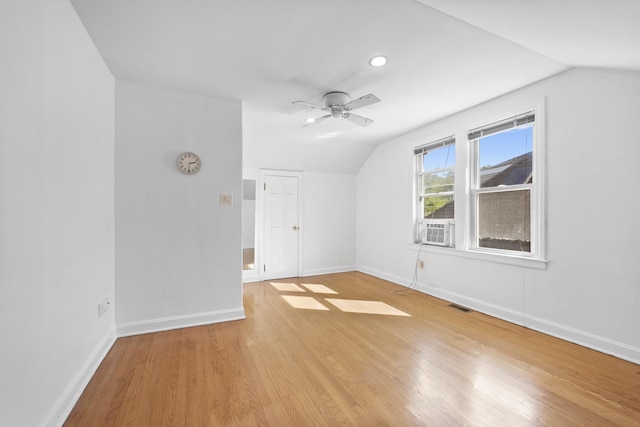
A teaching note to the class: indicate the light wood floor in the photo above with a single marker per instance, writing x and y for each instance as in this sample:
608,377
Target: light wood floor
423,364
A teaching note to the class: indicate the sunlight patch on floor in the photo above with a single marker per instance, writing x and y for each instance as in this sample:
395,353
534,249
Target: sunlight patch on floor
319,289
367,307
307,303
290,287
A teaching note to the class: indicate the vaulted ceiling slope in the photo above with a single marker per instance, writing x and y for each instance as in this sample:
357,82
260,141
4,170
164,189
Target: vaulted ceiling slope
444,57
586,33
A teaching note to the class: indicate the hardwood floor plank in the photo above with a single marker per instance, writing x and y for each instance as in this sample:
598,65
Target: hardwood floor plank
343,363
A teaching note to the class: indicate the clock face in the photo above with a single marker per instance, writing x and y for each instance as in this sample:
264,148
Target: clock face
188,163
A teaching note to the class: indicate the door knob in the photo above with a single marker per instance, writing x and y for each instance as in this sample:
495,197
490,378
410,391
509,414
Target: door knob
296,228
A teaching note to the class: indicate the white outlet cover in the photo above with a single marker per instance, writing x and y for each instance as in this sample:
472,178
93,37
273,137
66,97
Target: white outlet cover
226,199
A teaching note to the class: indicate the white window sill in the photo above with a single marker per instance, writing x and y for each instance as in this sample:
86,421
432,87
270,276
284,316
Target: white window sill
520,261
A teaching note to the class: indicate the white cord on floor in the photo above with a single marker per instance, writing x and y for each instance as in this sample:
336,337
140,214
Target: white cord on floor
414,280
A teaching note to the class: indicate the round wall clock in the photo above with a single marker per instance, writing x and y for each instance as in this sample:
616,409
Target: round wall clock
188,163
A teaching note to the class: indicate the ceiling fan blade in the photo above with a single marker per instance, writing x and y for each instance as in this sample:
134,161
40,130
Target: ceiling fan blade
308,105
315,122
359,120
361,102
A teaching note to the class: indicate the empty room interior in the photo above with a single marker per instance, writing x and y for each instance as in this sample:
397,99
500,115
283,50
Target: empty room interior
382,212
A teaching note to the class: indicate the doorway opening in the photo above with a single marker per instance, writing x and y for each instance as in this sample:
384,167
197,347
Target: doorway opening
280,201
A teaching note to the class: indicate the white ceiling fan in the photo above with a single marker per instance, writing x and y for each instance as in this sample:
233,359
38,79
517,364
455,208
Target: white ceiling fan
339,104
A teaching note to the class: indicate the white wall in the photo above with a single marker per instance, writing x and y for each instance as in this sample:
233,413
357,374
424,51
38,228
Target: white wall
588,292
178,250
329,206
292,154
56,210
329,201
329,221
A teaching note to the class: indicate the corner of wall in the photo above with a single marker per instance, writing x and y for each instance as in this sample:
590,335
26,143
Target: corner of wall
63,407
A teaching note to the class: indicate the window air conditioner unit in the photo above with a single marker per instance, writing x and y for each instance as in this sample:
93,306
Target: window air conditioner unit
436,233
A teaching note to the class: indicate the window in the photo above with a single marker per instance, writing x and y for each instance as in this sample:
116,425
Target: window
503,186
435,191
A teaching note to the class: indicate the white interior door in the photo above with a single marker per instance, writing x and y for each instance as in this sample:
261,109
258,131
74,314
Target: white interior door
281,227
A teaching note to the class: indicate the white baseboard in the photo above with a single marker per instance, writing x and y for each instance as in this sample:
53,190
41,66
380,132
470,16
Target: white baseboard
330,270
512,316
250,276
176,322
382,275
576,336
69,398
585,339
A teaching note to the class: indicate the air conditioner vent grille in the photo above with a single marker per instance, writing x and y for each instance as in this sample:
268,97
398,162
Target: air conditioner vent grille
435,233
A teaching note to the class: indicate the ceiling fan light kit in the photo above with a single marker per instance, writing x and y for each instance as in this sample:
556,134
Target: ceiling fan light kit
339,105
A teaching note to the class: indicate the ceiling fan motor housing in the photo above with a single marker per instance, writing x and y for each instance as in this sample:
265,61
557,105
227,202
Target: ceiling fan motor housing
335,102
339,105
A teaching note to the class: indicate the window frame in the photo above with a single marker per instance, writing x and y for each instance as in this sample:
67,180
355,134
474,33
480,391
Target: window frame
536,188
420,195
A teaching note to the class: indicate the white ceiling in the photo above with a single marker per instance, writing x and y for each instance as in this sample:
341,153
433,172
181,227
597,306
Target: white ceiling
444,56
588,33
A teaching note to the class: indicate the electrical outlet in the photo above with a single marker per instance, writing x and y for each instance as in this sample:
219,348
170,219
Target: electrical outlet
103,307
226,199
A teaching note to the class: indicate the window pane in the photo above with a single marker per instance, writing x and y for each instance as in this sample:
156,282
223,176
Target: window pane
506,158
438,182
437,207
504,220
443,157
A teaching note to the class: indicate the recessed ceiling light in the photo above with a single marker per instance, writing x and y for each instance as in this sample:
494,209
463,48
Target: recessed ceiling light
310,120
378,61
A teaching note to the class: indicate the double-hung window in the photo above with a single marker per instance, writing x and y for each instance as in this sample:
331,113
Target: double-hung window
503,186
436,163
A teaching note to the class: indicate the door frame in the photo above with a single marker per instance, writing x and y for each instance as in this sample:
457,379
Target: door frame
260,217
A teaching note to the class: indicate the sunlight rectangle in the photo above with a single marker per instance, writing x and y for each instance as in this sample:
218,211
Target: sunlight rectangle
306,303
319,289
287,287
366,307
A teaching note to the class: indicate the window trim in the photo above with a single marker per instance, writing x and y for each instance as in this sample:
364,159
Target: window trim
537,188
536,259
419,195
506,259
